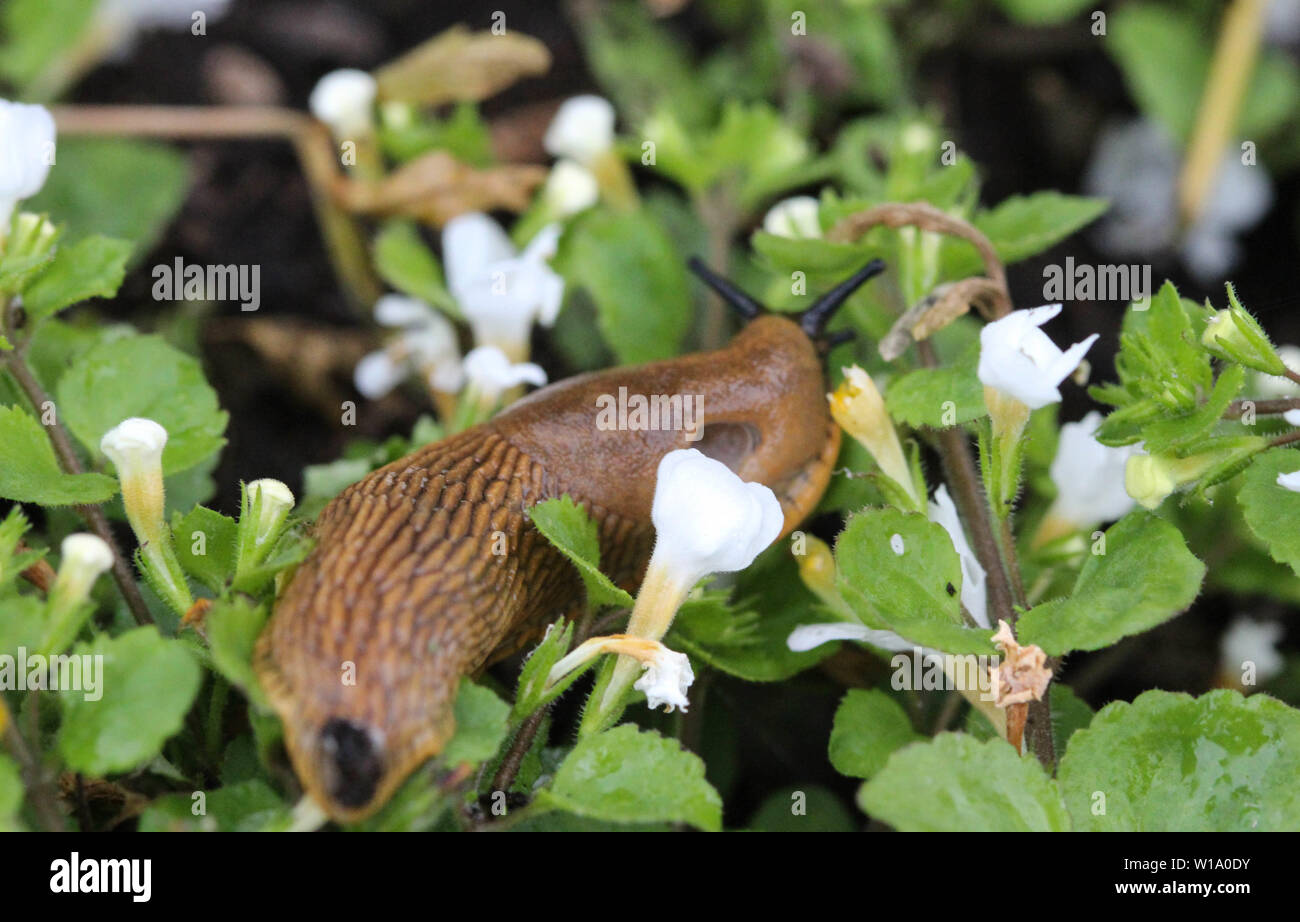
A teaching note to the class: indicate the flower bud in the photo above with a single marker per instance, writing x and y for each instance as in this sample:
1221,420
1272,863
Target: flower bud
860,411
85,557
344,100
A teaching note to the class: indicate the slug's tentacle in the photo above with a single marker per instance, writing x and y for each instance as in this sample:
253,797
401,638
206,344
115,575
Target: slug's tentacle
813,321
743,304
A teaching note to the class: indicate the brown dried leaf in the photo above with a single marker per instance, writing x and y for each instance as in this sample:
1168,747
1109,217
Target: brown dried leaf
436,187
461,65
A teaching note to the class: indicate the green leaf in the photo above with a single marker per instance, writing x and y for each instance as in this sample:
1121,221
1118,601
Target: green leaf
806,808
869,727
1169,761
916,594
120,188
631,269
481,725
249,806
955,784
1022,226
1273,511
748,644
91,268
38,32
1146,576
923,397
566,525
143,376
232,627
30,473
205,545
627,775
1070,713
404,261
531,692
147,685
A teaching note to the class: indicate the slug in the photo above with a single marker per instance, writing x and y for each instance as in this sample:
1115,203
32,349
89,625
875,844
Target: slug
428,569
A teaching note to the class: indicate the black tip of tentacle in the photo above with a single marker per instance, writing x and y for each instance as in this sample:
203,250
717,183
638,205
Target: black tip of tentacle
838,338
740,302
814,319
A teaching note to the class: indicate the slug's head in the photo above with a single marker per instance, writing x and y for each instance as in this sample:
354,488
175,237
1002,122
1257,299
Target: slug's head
350,760
813,321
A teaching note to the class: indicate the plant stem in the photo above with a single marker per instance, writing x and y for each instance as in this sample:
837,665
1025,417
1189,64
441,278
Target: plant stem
1262,407
514,758
1225,88
997,557
38,790
93,515
719,216
1285,439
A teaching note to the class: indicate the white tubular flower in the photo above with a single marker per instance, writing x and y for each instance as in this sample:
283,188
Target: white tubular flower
135,446
582,129
500,292
273,502
667,674
426,345
345,100
1251,642
794,217
974,592
666,680
85,558
1290,481
570,188
489,374
810,636
26,155
1089,476
1021,361
707,520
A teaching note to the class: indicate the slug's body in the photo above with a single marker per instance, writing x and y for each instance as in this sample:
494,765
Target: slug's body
428,569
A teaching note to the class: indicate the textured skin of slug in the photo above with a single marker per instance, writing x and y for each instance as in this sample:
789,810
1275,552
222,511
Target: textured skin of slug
403,593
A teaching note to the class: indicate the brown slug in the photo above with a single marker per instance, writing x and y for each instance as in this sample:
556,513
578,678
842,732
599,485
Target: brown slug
428,569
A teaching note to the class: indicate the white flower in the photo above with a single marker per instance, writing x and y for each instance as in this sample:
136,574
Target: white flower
118,21
582,129
794,217
1136,166
427,345
570,188
666,679
273,501
500,292
1290,481
26,154
85,557
1249,641
1089,476
1021,361
667,674
810,636
490,374
344,100
707,519
974,592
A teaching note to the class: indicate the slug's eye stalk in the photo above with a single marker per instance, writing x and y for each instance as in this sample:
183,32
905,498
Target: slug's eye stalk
742,303
813,321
